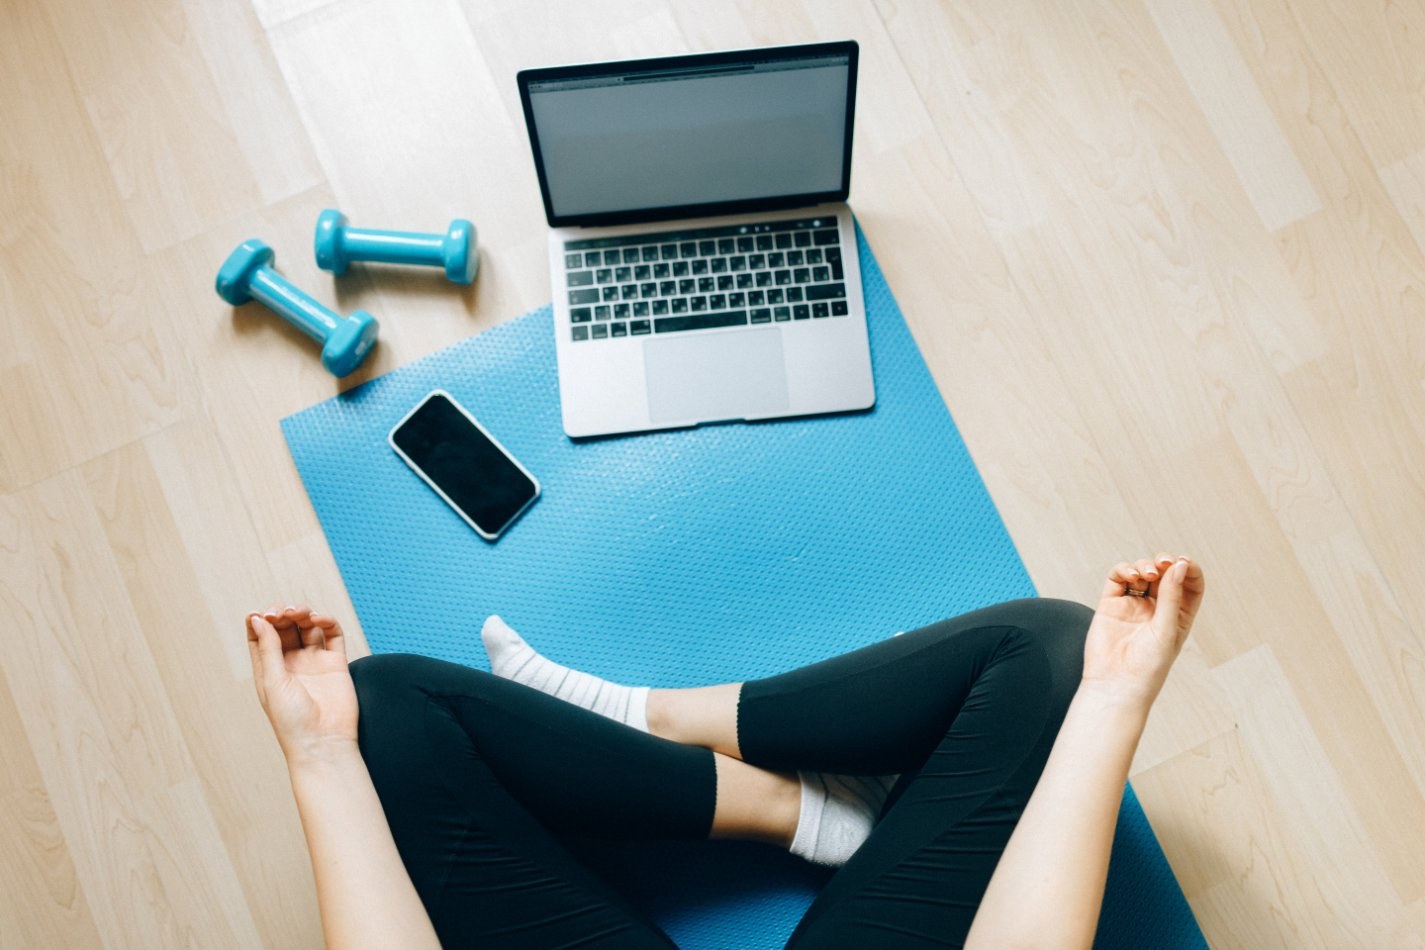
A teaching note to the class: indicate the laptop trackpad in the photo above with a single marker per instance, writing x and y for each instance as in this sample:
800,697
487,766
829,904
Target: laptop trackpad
717,376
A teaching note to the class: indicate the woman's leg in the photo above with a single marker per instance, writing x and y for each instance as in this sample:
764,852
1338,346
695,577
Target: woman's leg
478,776
996,684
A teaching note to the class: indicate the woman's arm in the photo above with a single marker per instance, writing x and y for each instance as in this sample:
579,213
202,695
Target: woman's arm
1048,886
364,893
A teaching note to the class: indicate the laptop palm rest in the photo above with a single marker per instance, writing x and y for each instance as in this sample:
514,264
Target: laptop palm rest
715,377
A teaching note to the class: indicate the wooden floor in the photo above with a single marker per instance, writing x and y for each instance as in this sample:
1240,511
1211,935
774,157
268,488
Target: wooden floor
1166,259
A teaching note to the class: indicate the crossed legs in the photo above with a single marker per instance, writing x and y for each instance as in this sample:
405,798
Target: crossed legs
482,778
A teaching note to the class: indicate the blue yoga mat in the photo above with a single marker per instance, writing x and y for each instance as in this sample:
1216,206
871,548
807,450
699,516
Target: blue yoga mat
687,558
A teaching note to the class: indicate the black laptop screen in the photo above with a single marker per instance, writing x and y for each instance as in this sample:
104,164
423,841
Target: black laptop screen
692,135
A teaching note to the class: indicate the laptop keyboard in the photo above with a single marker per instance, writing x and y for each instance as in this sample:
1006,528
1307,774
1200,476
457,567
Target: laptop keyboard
727,276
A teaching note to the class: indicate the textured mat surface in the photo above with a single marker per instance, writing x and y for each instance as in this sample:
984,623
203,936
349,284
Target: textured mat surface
686,558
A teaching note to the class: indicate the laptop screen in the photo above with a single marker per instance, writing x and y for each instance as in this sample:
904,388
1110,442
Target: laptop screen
694,135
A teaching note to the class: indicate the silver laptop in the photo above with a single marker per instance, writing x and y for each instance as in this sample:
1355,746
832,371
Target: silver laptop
704,262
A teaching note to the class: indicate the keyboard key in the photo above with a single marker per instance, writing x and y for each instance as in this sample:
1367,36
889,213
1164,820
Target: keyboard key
795,259
819,310
660,271
781,314
601,331
825,291
744,280
581,333
707,248
745,244
593,259
629,291
648,291
801,238
784,239
814,255
572,261
776,259
689,248
643,272
725,282
755,298
687,286
668,288
580,315
700,266
839,308
821,273
680,304
761,315
630,254
774,295
802,275
719,265
717,302
619,329
640,309
697,304
620,311
738,263
603,275
580,278
756,261
601,312
650,252
589,295
660,307
623,274
782,277
680,268
639,327
726,245
764,278
738,299
764,242
701,321
823,238
669,252
801,312
794,295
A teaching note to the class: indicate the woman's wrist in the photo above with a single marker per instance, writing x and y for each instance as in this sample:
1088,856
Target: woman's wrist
1121,701
320,753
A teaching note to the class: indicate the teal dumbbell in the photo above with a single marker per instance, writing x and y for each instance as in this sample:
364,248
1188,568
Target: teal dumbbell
247,274
338,244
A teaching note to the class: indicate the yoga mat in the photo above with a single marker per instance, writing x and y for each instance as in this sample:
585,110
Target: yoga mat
686,558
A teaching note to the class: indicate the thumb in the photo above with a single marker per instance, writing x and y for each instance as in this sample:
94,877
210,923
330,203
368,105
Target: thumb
1170,601
269,649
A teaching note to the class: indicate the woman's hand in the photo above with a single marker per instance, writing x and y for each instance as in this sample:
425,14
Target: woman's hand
1142,621
299,667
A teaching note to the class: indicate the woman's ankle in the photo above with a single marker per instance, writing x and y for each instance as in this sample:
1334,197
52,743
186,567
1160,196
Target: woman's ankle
703,716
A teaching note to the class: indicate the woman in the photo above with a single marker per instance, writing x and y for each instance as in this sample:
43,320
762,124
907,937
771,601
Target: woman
965,777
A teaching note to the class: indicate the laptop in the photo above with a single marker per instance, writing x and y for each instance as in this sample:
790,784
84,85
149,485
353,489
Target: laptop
703,259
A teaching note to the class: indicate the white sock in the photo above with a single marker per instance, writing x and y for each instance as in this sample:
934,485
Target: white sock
513,659
838,813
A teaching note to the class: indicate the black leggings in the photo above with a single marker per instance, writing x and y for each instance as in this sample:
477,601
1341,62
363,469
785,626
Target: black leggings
481,778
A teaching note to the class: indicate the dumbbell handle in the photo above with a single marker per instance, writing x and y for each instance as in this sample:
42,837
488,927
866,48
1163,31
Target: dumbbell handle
393,247
282,295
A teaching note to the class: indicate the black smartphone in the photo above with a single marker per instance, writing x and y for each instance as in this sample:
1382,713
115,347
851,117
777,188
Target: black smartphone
465,465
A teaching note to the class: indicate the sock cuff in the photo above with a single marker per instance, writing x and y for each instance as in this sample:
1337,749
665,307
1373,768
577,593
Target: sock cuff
809,817
637,716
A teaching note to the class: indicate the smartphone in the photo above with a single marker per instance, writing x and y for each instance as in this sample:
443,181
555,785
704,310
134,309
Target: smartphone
465,465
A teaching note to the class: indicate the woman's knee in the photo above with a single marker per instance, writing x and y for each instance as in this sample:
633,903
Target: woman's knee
1057,629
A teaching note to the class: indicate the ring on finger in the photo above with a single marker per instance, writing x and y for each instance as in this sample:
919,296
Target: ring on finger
1130,592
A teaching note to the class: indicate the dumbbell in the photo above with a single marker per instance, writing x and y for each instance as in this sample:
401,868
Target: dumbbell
337,245
248,274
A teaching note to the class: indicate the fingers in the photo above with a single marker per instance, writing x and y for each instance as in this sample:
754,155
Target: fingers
1139,578
332,636
268,652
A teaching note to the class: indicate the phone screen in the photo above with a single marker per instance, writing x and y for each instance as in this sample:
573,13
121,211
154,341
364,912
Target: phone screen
461,461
